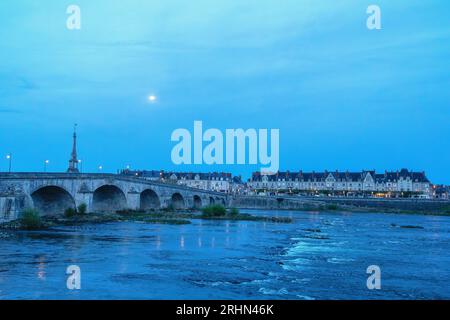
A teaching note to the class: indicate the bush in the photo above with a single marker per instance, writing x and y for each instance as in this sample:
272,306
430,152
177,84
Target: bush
169,208
70,212
215,210
332,207
234,211
30,219
82,208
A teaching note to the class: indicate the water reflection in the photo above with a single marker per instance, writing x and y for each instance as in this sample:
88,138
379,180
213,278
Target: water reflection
158,242
41,267
182,242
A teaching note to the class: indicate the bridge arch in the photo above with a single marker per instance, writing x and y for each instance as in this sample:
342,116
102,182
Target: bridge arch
149,200
220,201
108,198
197,202
177,201
52,200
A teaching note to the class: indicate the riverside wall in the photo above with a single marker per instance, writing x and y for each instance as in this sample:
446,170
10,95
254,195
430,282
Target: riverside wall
322,203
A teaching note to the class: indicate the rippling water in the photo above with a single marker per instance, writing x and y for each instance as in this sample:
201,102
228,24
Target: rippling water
319,256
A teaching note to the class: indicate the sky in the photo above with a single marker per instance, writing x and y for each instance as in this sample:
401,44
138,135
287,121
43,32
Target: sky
343,97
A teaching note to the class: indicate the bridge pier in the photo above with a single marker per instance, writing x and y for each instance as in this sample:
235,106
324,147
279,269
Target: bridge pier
134,200
86,198
9,210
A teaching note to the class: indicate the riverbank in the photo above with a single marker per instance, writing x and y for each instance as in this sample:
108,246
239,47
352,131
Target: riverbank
356,209
361,205
394,205
151,217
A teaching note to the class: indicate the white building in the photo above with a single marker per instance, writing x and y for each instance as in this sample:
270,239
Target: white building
383,184
215,181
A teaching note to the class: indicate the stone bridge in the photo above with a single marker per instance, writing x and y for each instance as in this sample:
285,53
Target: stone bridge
53,193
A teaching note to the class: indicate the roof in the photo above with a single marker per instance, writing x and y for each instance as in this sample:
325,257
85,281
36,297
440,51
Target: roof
179,175
344,176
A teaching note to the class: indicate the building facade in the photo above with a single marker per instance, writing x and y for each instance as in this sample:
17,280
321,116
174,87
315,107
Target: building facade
214,181
441,192
387,184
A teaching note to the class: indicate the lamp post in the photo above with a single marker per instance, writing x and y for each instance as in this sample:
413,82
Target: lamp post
81,165
100,168
46,162
9,158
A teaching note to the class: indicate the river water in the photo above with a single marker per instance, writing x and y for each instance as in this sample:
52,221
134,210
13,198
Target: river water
318,256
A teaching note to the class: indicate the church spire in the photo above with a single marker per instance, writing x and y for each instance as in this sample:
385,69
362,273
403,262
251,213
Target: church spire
73,162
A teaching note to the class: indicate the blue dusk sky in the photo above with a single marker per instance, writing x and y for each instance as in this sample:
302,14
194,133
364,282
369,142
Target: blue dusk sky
344,97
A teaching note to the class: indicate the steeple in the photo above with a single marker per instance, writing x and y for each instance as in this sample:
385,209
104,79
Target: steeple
73,162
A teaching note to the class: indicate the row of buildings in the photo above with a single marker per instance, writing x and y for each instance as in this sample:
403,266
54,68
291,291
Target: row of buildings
387,184
214,181
402,183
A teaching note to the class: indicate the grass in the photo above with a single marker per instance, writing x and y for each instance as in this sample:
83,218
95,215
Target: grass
163,217
169,208
214,210
31,220
332,207
82,208
79,211
70,212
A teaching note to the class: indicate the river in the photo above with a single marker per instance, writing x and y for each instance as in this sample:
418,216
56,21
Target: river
319,256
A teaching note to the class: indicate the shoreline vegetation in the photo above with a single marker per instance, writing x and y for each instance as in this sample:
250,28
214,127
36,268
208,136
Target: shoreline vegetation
31,219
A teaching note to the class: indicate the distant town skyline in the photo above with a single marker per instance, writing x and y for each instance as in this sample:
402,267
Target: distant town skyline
343,97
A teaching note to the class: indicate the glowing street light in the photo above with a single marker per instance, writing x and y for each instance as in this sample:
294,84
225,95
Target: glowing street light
152,98
46,162
80,163
100,168
9,158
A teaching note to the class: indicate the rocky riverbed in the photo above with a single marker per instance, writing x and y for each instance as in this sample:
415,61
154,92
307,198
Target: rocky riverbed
156,216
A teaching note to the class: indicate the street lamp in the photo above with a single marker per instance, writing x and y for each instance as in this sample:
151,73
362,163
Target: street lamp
9,158
100,168
46,162
80,163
